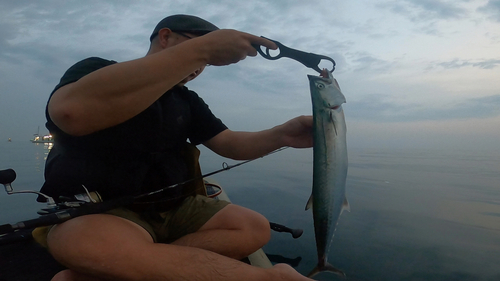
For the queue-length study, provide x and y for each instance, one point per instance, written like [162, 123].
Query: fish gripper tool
[310, 60]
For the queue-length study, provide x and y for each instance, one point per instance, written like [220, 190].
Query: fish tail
[326, 267]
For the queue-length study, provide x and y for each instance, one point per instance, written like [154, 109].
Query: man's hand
[297, 132]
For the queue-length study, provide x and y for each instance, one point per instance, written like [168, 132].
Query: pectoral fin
[309, 203]
[333, 122]
[345, 205]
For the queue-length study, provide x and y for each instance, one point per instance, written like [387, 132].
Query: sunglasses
[183, 34]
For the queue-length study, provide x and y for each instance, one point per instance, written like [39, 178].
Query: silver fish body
[328, 198]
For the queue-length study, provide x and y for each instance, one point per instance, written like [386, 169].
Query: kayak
[22, 259]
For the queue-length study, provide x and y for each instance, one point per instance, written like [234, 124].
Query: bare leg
[112, 248]
[234, 232]
[70, 275]
[285, 271]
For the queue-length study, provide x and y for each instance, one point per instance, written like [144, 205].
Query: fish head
[325, 91]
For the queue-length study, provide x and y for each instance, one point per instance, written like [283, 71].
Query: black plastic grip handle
[296, 233]
[7, 176]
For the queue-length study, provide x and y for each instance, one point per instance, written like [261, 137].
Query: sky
[415, 73]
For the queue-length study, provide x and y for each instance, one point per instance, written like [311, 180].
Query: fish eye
[320, 86]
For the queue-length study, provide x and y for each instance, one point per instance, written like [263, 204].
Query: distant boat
[9, 140]
[42, 139]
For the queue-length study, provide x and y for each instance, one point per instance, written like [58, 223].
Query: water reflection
[293, 262]
[41, 153]
[47, 146]
[414, 215]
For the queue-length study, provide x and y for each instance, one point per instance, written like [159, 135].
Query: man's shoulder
[84, 67]
[186, 94]
[92, 62]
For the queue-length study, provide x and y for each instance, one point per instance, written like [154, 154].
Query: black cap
[184, 23]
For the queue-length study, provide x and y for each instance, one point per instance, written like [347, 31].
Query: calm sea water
[415, 215]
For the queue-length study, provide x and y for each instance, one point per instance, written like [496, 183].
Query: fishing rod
[61, 212]
[225, 167]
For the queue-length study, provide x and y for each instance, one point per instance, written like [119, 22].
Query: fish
[328, 198]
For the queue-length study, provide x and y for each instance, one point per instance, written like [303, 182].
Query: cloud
[458, 63]
[376, 50]
[363, 61]
[382, 109]
[425, 10]
[491, 8]
[426, 15]
[68, 27]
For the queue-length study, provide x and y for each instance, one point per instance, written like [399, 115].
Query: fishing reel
[8, 176]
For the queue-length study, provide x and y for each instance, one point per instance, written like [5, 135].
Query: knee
[251, 227]
[70, 275]
[65, 275]
[88, 243]
[265, 230]
[259, 228]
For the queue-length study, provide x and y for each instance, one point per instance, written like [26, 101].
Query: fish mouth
[335, 107]
[325, 76]
[324, 73]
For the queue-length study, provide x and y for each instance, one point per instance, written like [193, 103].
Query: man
[121, 129]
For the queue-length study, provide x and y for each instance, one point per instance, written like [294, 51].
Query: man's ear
[164, 37]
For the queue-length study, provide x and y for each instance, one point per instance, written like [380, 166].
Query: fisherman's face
[177, 38]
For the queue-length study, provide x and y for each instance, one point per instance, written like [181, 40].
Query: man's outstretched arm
[236, 145]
